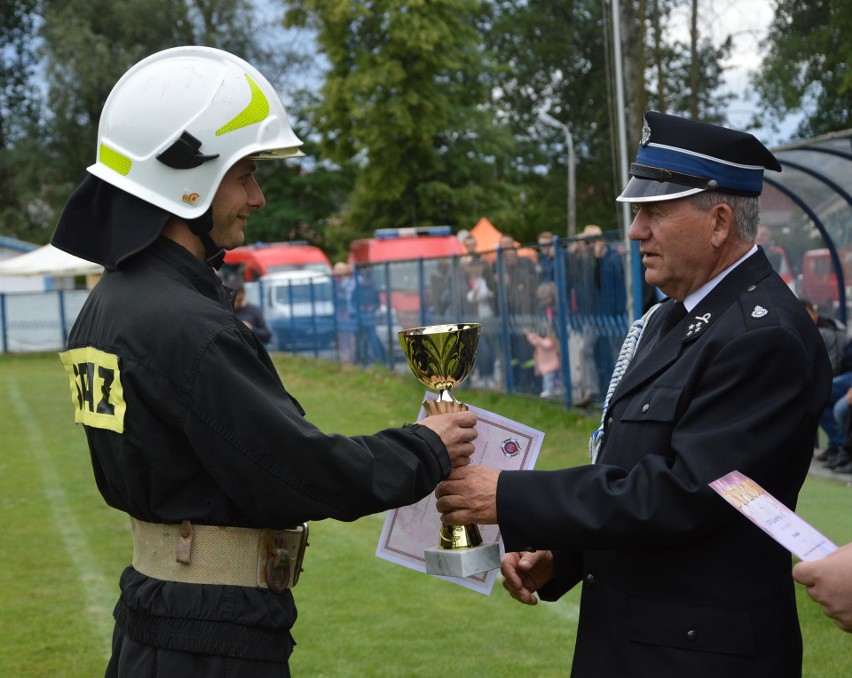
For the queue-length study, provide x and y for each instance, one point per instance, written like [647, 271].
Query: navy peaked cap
[679, 157]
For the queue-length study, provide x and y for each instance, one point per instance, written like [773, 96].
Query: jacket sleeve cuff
[569, 571]
[435, 444]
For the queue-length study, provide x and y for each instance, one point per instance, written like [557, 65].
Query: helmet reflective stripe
[256, 111]
[177, 121]
[114, 160]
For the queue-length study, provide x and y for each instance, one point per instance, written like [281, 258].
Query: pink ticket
[773, 517]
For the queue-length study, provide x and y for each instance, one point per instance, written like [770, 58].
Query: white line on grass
[98, 590]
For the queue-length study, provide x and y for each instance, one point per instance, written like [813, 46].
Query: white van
[299, 309]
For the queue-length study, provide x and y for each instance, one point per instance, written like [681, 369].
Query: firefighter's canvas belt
[209, 554]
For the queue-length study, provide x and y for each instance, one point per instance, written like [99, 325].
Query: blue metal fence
[574, 300]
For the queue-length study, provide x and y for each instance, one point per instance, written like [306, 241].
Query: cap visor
[647, 190]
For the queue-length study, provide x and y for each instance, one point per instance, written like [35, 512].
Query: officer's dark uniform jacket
[210, 435]
[675, 581]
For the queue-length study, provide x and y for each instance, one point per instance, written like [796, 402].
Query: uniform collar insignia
[759, 312]
[697, 325]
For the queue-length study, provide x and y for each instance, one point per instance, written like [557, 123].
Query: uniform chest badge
[698, 325]
[759, 312]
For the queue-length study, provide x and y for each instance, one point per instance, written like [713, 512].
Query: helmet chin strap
[201, 226]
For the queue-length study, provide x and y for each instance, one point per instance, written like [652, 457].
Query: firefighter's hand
[458, 433]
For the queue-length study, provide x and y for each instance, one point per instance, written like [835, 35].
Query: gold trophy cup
[442, 356]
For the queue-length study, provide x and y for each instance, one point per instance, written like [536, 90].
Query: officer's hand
[458, 433]
[525, 573]
[468, 495]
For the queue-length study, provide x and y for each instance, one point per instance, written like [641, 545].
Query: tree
[558, 57]
[19, 114]
[91, 43]
[807, 65]
[554, 57]
[685, 74]
[404, 98]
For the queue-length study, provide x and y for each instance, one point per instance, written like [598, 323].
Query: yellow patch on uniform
[96, 389]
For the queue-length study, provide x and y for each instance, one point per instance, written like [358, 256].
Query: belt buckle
[283, 551]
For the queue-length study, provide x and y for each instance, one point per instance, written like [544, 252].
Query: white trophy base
[462, 562]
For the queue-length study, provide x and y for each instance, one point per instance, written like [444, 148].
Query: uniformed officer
[729, 374]
[190, 429]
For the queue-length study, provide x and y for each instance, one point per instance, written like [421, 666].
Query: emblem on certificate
[441, 357]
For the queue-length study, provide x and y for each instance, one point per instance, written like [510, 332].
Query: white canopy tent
[48, 261]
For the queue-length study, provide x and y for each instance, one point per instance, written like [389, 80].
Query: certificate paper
[771, 516]
[408, 531]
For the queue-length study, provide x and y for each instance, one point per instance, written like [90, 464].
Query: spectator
[839, 351]
[833, 334]
[369, 305]
[546, 257]
[600, 294]
[344, 287]
[517, 284]
[251, 315]
[775, 253]
[479, 306]
[545, 341]
[546, 360]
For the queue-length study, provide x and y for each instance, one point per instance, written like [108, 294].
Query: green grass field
[62, 549]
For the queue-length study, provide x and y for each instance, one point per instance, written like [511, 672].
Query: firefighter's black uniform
[187, 419]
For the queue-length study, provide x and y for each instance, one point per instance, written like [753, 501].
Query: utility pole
[550, 121]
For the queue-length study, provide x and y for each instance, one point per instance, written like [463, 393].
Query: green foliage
[299, 202]
[807, 67]
[20, 102]
[404, 98]
[553, 57]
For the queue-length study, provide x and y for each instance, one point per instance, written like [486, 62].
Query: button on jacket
[675, 581]
[211, 435]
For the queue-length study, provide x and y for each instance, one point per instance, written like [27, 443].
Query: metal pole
[631, 250]
[572, 187]
[550, 121]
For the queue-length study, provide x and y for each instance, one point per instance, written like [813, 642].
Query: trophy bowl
[441, 357]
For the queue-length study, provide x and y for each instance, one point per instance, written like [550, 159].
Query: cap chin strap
[201, 226]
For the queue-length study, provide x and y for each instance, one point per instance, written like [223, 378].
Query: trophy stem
[443, 406]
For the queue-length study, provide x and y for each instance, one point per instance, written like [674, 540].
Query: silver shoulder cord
[625, 355]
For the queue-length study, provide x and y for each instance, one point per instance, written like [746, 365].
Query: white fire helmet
[178, 120]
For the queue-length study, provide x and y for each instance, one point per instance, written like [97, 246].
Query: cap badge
[646, 134]
[697, 327]
[759, 312]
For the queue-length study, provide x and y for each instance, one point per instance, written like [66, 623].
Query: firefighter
[190, 429]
